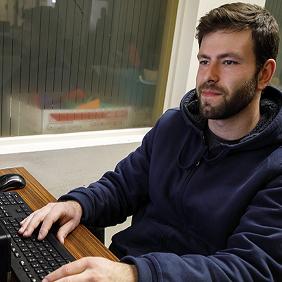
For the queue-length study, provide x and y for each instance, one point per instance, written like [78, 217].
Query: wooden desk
[81, 242]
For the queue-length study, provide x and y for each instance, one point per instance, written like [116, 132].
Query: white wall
[61, 170]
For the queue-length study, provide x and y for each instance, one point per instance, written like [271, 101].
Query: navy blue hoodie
[199, 213]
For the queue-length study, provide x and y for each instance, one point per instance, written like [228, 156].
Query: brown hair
[241, 16]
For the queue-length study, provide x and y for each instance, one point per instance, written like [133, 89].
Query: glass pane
[275, 7]
[77, 65]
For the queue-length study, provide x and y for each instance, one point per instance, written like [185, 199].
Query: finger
[67, 270]
[71, 278]
[54, 214]
[33, 220]
[27, 219]
[25, 222]
[30, 224]
[65, 229]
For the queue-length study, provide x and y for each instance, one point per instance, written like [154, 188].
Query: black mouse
[11, 181]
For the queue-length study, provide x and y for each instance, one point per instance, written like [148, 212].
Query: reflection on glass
[71, 65]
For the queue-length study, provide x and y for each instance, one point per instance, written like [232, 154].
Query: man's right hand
[67, 214]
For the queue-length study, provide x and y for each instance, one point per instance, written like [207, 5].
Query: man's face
[226, 80]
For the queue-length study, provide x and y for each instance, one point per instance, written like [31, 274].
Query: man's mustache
[207, 86]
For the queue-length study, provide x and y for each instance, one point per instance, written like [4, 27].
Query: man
[205, 186]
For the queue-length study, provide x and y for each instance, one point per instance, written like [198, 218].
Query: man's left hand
[95, 269]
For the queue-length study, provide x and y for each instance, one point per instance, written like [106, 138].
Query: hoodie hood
[267, 132]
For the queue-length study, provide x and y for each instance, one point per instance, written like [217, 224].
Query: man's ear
[266, 74]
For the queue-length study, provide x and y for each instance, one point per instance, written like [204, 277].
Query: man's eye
[203, 62]
[230, 62]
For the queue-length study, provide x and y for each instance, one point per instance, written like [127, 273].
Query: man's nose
[212, 72]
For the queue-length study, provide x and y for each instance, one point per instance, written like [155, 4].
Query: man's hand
[94, 269]
[67, 214]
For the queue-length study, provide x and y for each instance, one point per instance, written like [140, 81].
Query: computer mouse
[11, 181]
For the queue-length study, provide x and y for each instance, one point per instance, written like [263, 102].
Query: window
[275, 7]
[79, 65]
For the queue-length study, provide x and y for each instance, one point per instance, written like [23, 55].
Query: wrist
[76, 205]
[129, 272]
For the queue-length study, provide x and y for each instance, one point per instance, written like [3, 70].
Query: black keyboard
[31, 259]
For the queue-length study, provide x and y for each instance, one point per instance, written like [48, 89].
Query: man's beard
[240, 99]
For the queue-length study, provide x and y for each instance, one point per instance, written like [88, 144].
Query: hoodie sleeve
[253, 252]
[119, 193]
